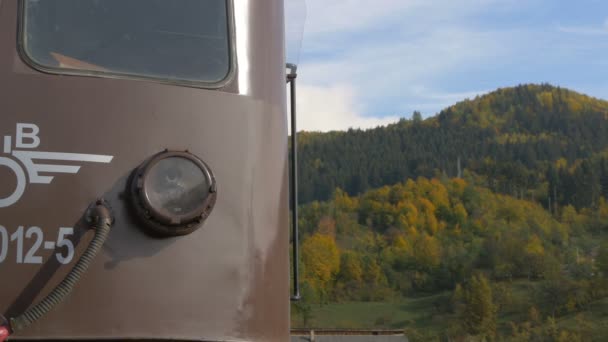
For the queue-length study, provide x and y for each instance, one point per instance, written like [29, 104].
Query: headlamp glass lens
[176, 186]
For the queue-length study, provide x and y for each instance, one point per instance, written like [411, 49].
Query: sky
[365, 63]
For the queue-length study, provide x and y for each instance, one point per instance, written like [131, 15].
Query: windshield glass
[166, 39]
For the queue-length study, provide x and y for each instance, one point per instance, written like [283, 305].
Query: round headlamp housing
[173, 193]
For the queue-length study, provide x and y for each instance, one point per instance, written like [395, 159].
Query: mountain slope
[517, 139]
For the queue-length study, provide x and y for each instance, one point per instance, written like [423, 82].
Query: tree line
[518, 139]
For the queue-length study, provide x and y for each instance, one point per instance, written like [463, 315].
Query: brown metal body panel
[226, 281]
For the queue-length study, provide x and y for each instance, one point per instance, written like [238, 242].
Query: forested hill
[535, 142]
[488, 221]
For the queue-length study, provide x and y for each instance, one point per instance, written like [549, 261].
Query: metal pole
[294, 184]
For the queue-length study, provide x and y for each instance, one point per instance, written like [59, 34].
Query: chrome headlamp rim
[161, 221]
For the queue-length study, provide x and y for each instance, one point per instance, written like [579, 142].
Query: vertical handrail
[291, 79]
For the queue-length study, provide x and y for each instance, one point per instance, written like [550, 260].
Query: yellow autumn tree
[344, 202]
[457, 186]
[546, 100]
[534, 254]
[430, 220]
[427, 252]
[535, 246]
[460, 213]
[411, 214]
[321, 258]
[350, 267]
[438, 193]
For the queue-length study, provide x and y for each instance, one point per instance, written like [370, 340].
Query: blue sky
[366, 63]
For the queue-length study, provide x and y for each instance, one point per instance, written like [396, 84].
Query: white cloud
[434, 100]
[362, 55]
[405, 72]
[449, 98]
[333, 108]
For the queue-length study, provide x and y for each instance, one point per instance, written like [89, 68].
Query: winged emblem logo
[31, 166]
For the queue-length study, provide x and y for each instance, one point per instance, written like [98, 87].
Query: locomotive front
[164, 121]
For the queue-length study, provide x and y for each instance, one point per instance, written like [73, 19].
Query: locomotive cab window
[175, 40]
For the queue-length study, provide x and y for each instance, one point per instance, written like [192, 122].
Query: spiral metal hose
[100, 218]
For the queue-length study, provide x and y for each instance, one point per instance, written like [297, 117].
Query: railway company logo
[39, 172]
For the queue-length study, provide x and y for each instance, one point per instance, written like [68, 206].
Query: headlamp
[173, 193]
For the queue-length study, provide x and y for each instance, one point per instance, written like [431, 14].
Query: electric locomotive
[144, 170]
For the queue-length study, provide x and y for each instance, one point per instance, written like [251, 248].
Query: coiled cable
[100, 217]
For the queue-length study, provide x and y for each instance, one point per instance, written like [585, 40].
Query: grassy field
[424, 315]
[418, 312]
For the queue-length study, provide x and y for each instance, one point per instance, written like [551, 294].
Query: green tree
[602, 259]
[479, 315]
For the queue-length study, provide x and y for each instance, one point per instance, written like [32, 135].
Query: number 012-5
[36, 234]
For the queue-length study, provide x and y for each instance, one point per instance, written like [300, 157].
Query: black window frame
[232, 63]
